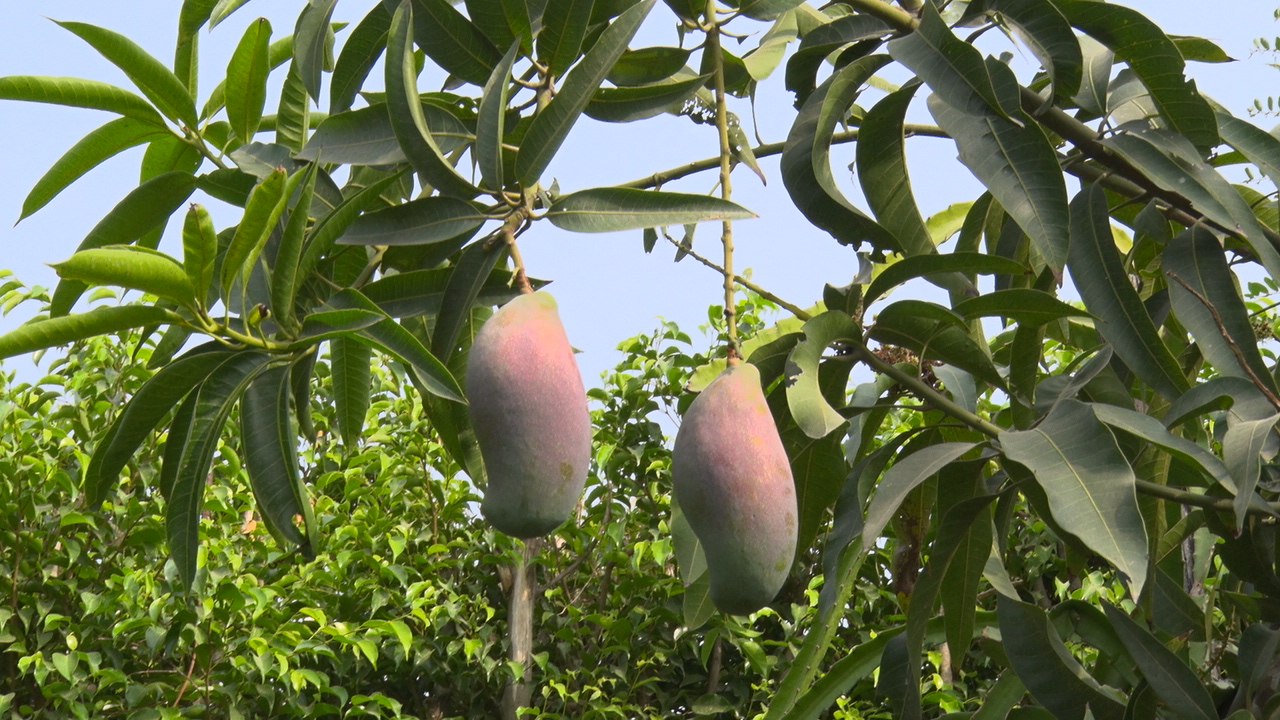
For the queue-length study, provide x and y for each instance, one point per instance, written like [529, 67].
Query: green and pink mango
[733, 481]
[529, 412]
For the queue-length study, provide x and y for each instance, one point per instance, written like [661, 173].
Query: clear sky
[607, 287]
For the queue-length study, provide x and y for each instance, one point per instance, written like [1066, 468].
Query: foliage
[1085, 489]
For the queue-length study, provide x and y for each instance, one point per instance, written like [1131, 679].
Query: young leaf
[450, 39]
[270, 454]
[278, 53]
[42, 334]
[359, 54]
[157, 82]
[551, 126]
[417, 222]
[246, 88]
[1175, 684]
[192, 17]
[75, 92]
[1089, 483]
[407, 118]
[1105, 288]
[266, 203]
[613, 209]
[352, 382]
[101, 144]
[223, 10]
[312, 43]
[491, 123]
[132, 268]
[199, 251]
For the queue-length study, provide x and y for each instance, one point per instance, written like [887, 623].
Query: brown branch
[789, 307]
[187, 682]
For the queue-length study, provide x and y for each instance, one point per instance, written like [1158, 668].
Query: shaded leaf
[491, 127]
[936, 333]
[925, 265]
[285, 277]
[1028, 307]
[451, 40]
[628, 104]
[809, 408]
[1242, 449]
[648, 65]
[349, 364]
[564, 27]
[270, 454]
[293, 116]
[1174, 683]
[1050, 38]
[199, 251]
[359, 54]
[421, 292]
[313, 43]
[327, 231]
[265, 206]
[470, 274]
[417, 222]
[613, 209]
[906, 475]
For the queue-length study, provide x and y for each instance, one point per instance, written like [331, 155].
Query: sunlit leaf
[613, 209]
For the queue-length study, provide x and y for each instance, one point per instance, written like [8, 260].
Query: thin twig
[789, 307]
[187, 682]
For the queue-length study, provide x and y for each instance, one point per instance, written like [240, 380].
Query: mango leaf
[265, 206]
[906, 475]
[192, 17]
[214, 400]
[1096, 78]
[223, 10]
[767, 9]
[958, 483]
[696, 606]
[1047, 668]
[199, 251]
[278, 53]
[285, 277]
[359, 54]
[312, 43]
[421, 292]
[613, 209]
[145, 207]
[1242, 449]
[1018, 165]
[246, 88]
[564, 27]
[1198, 49]
[1155, 58]
[156, 81]
[628, 104]
[491, 17]
[1259, 146]
[75, 92]
[806, 159]
[846, 672]
[42, 334]
[417, 222]
[882, 172]
[925, 265]
[271, 456]
[407, 117]
[1154, 432]
[1177, 685]
[809, 408]
[522, 16]
[175, 442]
[690, 558]
[388, 336]
[552, 124]
[472, 271]
[491, 127]
[936, 333]
[101, 144]
[1205, 300]
[349, 364]
[451, 40]
[1089, 484]
[326, 232]
[1104, 286]
[355, 137]
[1050, 38]
[293, 116]
[1243, 401]
[953, 69]
[649, 65]
[818, 44]
[132, 268]
[1028, 307]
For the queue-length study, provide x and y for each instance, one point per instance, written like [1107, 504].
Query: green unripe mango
[529, 411]
[733, 481]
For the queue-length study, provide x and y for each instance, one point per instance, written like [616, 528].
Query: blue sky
[608, 289]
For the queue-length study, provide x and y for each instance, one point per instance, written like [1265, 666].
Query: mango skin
[529, 411]
[733, 480]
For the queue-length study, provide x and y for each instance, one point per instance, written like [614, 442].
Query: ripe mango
[529, 411]
[733, 481]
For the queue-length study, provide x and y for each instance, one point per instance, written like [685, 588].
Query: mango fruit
[733, 481]
[529, 411]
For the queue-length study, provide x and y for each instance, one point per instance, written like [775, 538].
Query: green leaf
[450, 39]
[1203, 293]
[521, 16]
[327, 231]
[1104, 286]
[1155, 58]
[690, 557]
[818, 44]
[1259, 146]
[313, 43]
[359, 54]
[696, 606]
[389, 337]
[1020, 168]
[551, 126]
[417, 222]
[649, 65]
[1242, 449]
[75, 92]
[882, 172]
[352, 383]
[231, 186]
[1050, 38]
[809, 408]
[101, 144]
[199, 251]
[223, 10]
[144, 411]
[953, 69]
[266, 204]
[355, 137]
[491, 17]
[1177, 685]
[1246, 401]
[628, 104]
[421, 292]
[1045, 665]
[157, 82]
[491, 127]
[214, 400]
[330, 324]
[174, 444]
[564, 26]
[1198, 49]
[246, 86]
[1096, 78]
[285, 277]
[963, 481]
[937, 333]
[407, 118]
[767, 9]
[925, 265]
[613, 209]
[1089, 484]
[278, 53]
[192, 17]
[906, 475]
[293, 114]
[471, 273]
[1153, 431]
[806, 159]
[842, 676]
[41, 334]
[132, 268]
[270, 454]
[1028, 307]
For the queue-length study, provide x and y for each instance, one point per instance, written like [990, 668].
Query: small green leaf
[246, 88]
[223, 10]
[293, 116]
[1177, 685]
[349, 363]
[613, 209]
[285, 277]
[132, 268]
[359, 54]
[199, 251]
[417, 222]
[75, 92]
[313, 43]
[355, 137]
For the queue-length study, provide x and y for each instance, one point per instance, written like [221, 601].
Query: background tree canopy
[1050, 489]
